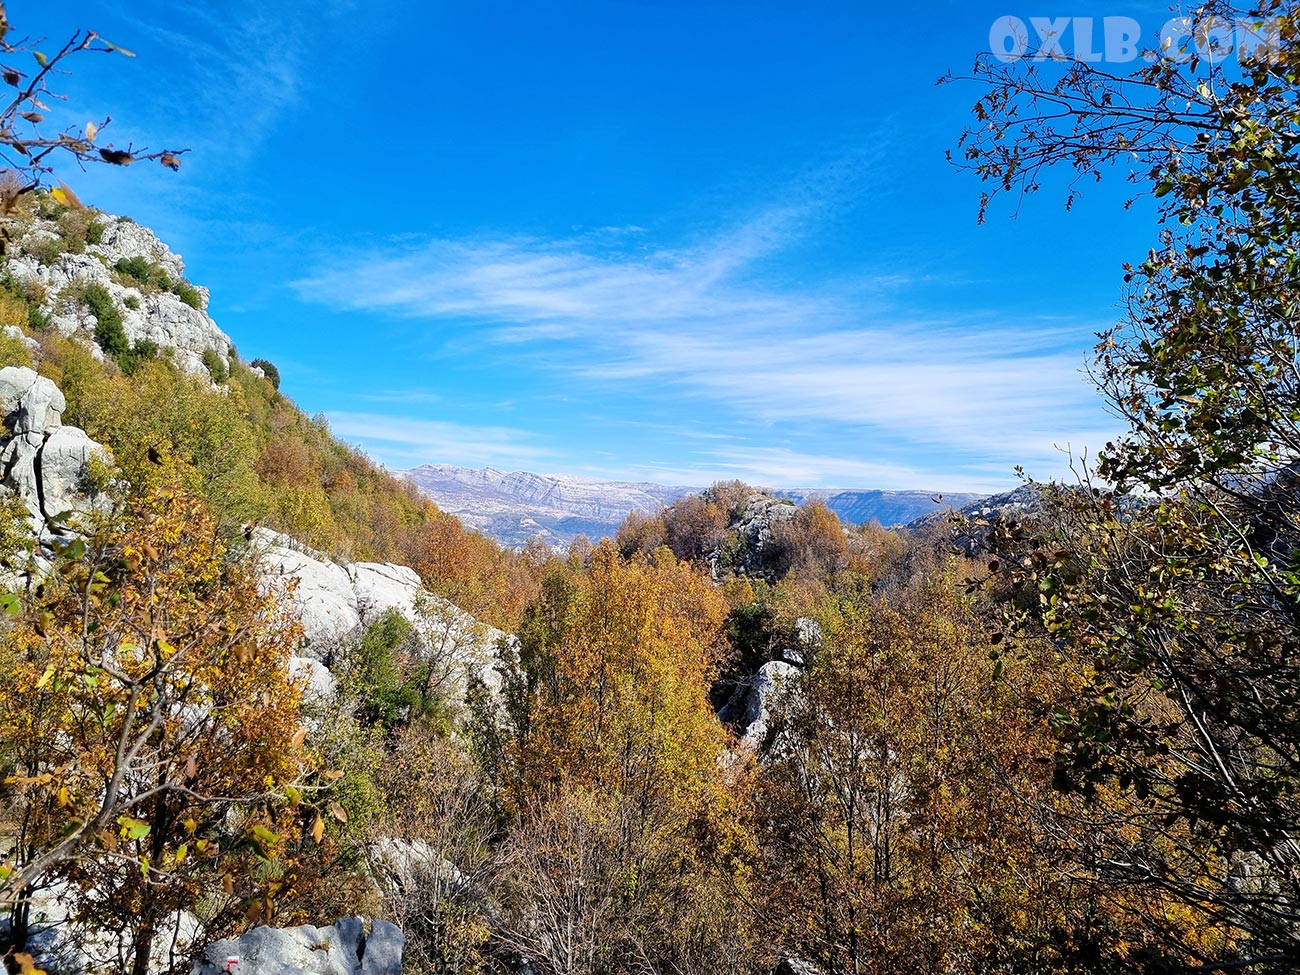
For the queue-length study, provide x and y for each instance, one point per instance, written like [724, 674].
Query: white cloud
[715, 323]
[241, 69]
[404, 442]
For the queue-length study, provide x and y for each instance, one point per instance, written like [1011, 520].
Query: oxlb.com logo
[1119, 40]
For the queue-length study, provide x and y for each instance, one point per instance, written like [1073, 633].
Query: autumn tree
[893, 836]
[641, 533]
[1181, 604]
[154, 743]
[435, 849]
[620, 755]
[695, 526]
[810, 545]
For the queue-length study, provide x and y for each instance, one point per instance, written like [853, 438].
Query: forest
[1060, 738]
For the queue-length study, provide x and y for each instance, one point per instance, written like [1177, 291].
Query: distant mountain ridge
[514, 506]
[887, 507]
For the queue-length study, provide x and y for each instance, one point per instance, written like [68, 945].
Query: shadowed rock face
[41, 460]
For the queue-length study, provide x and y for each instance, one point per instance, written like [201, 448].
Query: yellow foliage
[148, 706]
[624, 677]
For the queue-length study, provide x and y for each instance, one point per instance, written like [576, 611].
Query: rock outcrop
[754, 536]
[42, 461]
[336, 601]
[750, 708]
[350, 946]
[148, 314]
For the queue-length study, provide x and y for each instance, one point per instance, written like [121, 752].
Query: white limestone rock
[381, 586]
[321, 685]
[774, 678]
[16, 332]
[161, 318]
[324, 597]
[336, 602]
[411, 864]
[125, 239]
[343, 948]
[60, 943]
[43, 462]
[29, 403]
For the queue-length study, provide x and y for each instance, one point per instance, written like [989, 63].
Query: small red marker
[231, 962]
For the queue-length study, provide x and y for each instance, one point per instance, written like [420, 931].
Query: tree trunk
[142, 946]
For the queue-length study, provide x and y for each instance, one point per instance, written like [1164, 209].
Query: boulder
[408, 864]
[348, 947]
[63, 462]
[29, 403]
[43, 462]
[384, 947]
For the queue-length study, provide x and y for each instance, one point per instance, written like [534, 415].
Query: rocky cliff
[143, 278]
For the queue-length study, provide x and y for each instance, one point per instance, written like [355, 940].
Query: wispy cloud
[718, 322]
[242, 69]
[403, 442]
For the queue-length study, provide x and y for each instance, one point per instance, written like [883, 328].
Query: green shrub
[14, 351]
[45, 249]
[141, 352]
[272, 373]
[132, 302]
[189, 294]
[148, 275]
[13, 308]
[215, 365]
[136, 267]
[109, 332]
[94, 232]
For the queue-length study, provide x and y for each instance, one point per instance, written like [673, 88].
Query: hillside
[517, 506]
[102, 308]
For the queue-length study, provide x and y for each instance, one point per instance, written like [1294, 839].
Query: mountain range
[514, 506]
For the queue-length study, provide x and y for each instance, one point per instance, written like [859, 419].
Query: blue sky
[673, 241]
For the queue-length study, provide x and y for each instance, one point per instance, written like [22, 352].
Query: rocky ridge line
[158, 316]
